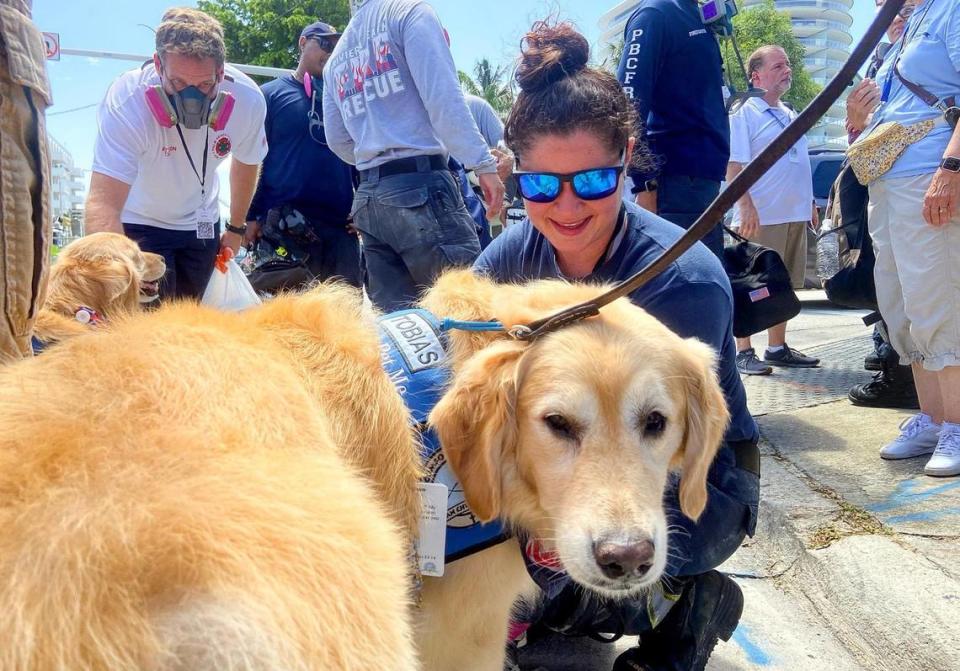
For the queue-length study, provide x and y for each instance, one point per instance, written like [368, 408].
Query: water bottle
[828, 251]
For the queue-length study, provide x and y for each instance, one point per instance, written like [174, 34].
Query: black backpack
[852, 286]
[763, 294]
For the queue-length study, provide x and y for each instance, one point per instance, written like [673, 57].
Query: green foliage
[265, 32]
[493, 84]
[612, 52]
[761, 25]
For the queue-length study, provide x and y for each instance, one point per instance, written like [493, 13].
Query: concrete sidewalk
[856, 560]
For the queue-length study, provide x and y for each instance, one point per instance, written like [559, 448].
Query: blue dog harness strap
[413, 354]
[37, 345]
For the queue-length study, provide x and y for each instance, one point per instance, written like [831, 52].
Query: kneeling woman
[572, 130]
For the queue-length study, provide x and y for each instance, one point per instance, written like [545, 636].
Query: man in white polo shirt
[776, 211]
[162, 131]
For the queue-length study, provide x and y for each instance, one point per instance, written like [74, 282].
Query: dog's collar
[543, 566]
[86, 315]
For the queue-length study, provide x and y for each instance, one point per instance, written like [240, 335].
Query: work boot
[872, 361]
[892, 387]
[708, 610]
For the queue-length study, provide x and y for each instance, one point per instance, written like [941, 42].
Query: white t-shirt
[785, 192]
[132, 147]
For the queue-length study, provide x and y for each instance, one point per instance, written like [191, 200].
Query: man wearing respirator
[163, 129]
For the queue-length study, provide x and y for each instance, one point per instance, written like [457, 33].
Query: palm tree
[489, 83]
[613, 51]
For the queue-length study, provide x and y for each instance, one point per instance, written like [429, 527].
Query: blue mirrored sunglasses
[592, 184]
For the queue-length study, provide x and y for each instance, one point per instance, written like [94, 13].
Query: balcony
[838, 5]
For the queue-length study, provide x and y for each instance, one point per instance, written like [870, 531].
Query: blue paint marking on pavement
[905, 494]
[755, 654]
[923, 517]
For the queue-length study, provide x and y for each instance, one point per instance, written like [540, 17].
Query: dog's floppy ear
[705, 424]
[97, 281]
[476, 424]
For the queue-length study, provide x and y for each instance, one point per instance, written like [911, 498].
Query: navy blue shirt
[692, 296]
[672, 69]
[298, 170]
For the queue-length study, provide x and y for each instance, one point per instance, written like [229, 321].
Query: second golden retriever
[106, 273]
[569, 439]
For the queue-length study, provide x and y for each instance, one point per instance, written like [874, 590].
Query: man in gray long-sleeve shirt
[392, 106]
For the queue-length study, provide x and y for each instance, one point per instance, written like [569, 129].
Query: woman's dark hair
[560, 95]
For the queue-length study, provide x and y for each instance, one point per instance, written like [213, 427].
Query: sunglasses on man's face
[591, 184]
[904, 12]
[325, 43]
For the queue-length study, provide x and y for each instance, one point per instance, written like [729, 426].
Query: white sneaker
[946, 458]
[918, 436]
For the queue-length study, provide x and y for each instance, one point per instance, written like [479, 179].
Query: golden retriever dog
[569, 439]
[105, 272]
[190, 490]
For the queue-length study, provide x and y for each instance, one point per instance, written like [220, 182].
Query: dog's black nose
[617, 560]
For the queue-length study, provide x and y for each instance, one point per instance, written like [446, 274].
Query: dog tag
[204, 230]
[431, 545]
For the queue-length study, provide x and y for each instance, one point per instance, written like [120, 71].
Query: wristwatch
[950, 164]
[648, 185]
[239, 230]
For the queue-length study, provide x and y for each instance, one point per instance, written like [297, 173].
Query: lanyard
[888, 83]
[776, 118]
[206, 147]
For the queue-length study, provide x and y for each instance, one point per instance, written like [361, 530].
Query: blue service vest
[413, 354]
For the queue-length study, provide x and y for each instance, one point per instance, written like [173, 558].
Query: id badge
[431, 543]
[205, 230]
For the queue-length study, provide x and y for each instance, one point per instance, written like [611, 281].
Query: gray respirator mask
[192, 106]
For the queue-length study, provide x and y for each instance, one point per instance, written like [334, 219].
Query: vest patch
[413, 354]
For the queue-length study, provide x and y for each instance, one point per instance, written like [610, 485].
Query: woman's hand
[863, 99]
[942, 197]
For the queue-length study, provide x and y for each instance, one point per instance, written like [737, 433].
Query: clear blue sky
[478, 29]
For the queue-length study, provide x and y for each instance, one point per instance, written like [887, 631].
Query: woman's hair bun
[549, 53]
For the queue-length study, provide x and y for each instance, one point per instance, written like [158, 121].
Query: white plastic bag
[229, 289]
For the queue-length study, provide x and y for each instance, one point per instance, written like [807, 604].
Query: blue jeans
[682, 200]
[189, 259]
[413, 226]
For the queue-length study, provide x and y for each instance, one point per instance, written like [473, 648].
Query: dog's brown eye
[654, 425]
[561, 426]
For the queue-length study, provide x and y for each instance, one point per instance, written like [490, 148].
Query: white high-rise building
[613, 21]
[822, 26]
[66, 181]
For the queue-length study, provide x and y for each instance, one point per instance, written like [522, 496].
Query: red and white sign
[51, 42]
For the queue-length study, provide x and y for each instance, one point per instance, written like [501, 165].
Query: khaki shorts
[790, 242]
[917, 273]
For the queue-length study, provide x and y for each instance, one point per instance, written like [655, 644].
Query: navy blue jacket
[298, 170]
[672, 69]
